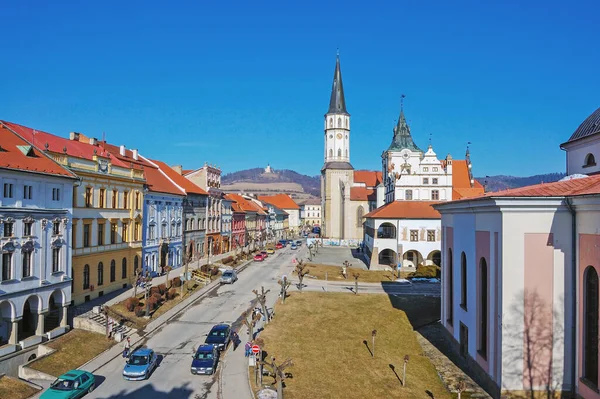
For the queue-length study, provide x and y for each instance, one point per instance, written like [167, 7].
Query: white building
[520, 278]
[310, 212]
[405, 231]
[288, 205]
[35, 238]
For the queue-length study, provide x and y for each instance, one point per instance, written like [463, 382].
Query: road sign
[255, 349]
[293, 260]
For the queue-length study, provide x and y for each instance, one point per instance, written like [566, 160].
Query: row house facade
[285, 203]
[107, 211]
[35, 240]
[195, 213]
[520, 285]
[310, 212]
[162, 240]
[238, 226]
[226, 224]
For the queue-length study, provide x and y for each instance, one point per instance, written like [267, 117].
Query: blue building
[226, 220]
[162, 237]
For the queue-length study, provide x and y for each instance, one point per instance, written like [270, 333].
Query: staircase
[96, 322]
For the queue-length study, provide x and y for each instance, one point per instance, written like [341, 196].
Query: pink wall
[537, 309]
[482, 250]
[449, 235]
[589, 255]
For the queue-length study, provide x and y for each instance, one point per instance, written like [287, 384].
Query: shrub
[171, 293]
[132, 303]
[162, 288]
[214, 271]
[158, 297]
[152, 302]
[431, 271]
[140, 311]
[204, 268]
[154, 290]
[227, 260]
[176, 282]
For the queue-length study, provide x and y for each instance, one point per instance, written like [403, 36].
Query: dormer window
[589, 161]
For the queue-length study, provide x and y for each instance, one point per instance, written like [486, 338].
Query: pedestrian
[235, 339]
[247, 347]
[127, 347]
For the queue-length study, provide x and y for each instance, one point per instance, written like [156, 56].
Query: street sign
[255, 349]
[293, 260]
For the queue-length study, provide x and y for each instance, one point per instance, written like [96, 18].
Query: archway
[412, 258]
[53, 318]
[29, 321]
[388, 257]
[164, 252]
[7, 315]
[386, 230]
[435, 257]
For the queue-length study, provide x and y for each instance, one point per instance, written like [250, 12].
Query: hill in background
[501, 182]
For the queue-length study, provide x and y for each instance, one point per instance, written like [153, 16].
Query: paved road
[176, 340]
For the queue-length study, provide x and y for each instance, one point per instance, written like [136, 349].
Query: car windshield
[63, 385]
[228, 274]
[138, 360]
[204, 355]
[217, 333]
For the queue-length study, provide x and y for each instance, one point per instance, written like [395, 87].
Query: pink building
[520, 277]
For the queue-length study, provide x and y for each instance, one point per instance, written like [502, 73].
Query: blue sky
[241, 84]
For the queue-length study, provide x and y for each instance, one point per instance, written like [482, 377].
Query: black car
[219, 336]
[205, 360]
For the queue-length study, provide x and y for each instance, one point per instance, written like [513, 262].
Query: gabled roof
[244, 204]
[371, 178]
[127, 159]
[282, 201]
[32, 159]
[583, 186]
[405, 210]
[461, 184]
[158, 181]
[362, 194]
[187, 185]
[235, 206]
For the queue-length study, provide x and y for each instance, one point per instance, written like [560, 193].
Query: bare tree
[285, 284]
[301, 270]
[261, 297]
[356, 276]
[373, 334]
[461, 386]
[136, 276]
[345, 267]
[249, 319]
[406, 359]
[167, 270]
[278, 372]
[310, 253]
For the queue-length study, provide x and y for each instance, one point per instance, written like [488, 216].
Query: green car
[72, 384]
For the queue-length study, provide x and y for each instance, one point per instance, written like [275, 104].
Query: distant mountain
[501, 182]
[261, 181]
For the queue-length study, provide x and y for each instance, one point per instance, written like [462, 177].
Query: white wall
[577, 152]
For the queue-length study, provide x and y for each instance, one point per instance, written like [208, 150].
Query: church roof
[402, 137]
[461, 184]
[362, 194]
[337, 103]
[371, 178]
[337, 165]
[589, 127]
[405, 210]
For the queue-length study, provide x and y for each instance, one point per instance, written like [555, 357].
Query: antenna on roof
[402, 101]
[430, 139]
[104, 137]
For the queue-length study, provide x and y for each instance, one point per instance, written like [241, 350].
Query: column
[63, 316]
[39, 328]
[13, 339]
[107, 226]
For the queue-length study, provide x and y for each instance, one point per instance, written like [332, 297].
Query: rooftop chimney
[177, 168]
[93, 141]
[74, 136]
[122, 151]
[135, 154]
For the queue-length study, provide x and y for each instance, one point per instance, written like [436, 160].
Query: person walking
[247, 347]
[126, 347]
[235, 339]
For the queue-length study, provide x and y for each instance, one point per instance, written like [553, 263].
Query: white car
[229, 276]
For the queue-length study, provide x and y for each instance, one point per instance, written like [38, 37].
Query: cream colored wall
[356, 230]
[333, 201]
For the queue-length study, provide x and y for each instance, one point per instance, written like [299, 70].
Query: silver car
[229, 277]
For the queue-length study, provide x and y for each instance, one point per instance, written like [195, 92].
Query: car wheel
[91, 388]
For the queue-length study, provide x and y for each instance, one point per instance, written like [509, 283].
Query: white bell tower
[337, 122]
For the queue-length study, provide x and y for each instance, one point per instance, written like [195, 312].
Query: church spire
[337, 103]
[402, 137]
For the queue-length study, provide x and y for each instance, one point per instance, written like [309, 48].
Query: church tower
[337, 174]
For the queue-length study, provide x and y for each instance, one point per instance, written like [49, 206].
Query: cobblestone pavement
[337, 255]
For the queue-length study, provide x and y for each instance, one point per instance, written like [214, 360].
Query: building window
[408, 195]
[463, 281]
[86, 235]
[100, 274]
[434, 180]
[124, 268]
[163, 232]
[6, 266]
[26, 264]
[430, 235]
[125, 199]
[425, 169]
[8, 190]
[435, 195]
[100, 233]
[124, 232]
[113, 233]
[88, 197]
[414, 235]
[27, 192]
[152, 232]
[137, 200]
[483, 313]
[115, 199]
[450, 309]
[339, 153]
[56, 228]
[27, 228]
[86, 277]
[56, 194]
[590, 326]
[590, 160]
[172, 229]
[55, 260]
[136, 263]
[136, 231]
[113, 271]
[102, 198]
[425, 180]
[435, 169]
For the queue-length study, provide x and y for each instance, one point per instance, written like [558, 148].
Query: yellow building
[107, 212]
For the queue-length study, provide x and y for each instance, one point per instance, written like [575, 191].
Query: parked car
[270, 251]
[72, 384]
[279, 245]
[294, 246]
[219, 336]
[299, 243]
[205, 360]
[283, 242]
[140, 365]
[259, 258]
[229, 276]
[264, 253]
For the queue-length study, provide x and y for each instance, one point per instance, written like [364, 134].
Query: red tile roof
[369, 177]
[12, 157]
[187, 185]
[158, 181]
[244, 204]
[583, 186]
[235, 207]
[405, 210]
[186, 171]
[362, 194]
[281, 201]
[461, 184]
[127, 159]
